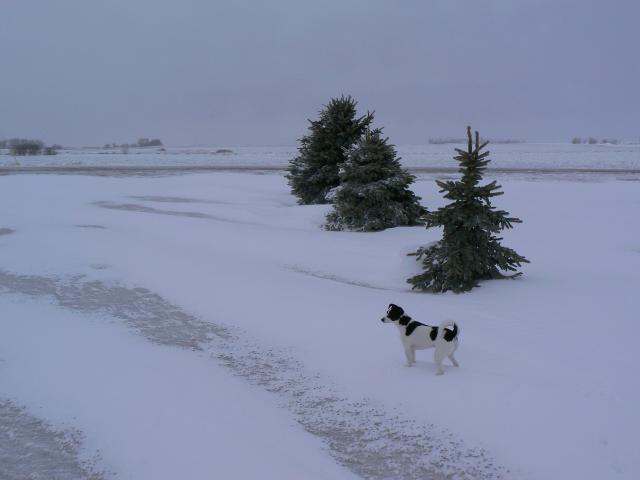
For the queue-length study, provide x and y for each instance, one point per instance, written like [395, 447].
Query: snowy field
[536, 156]
[205, 326]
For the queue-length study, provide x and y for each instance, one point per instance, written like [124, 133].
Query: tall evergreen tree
[374, 189]
[314, 172]
[470, 249]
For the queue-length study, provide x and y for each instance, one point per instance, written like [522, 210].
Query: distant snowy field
[205, 326]
[511, 156]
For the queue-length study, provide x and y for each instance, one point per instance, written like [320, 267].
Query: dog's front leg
[410, 354]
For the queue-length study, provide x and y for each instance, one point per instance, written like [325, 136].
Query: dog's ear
[394, 312]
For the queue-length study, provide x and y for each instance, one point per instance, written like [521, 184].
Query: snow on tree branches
[374, 190]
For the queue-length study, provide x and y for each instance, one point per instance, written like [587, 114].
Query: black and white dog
[417, 336]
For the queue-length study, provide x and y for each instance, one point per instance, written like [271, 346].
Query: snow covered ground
[504, 156]
[204, 326]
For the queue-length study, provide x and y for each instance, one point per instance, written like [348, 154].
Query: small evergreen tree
[374, 189]
[314, 172]
[470, 249]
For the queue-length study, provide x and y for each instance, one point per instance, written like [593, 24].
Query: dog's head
[394, 312]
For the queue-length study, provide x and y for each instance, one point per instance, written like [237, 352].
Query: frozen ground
[204, 326]
[536, 156]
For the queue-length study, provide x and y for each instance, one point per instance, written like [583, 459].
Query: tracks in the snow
[32, 449]
[370, 440]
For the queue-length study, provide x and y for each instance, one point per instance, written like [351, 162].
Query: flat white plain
[548, 381]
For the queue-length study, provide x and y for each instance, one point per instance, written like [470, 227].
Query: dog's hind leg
[438, 356]
[453, 360]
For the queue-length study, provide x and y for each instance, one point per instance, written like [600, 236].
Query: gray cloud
[251, 72]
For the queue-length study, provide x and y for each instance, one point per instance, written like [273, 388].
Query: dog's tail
[448, 331]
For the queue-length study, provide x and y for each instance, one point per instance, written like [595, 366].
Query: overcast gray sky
[233, 72]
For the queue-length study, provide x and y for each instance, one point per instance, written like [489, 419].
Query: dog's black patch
[412, 326]
[433, 334]
[404, 320]
[449, 335]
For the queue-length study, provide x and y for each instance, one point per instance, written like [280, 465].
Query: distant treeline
[142, 142]
[25, 146]
[445, 141]
[594, 141]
